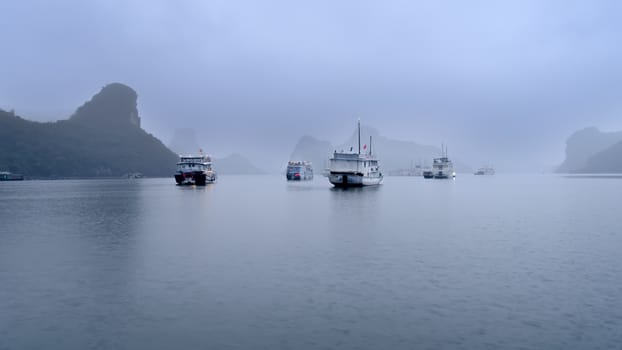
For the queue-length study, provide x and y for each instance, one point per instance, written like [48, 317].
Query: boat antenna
[370, 145]
[359, 125]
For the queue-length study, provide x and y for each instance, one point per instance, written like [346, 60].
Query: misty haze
[324, 175]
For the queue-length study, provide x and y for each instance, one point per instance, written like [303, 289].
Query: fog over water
[504, 83]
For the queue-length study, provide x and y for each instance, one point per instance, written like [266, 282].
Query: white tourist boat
[195, 170]
[354, 169]
[299, 170]
[442, 167]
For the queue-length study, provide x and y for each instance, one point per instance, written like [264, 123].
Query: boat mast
[370, 145]
[359, 124]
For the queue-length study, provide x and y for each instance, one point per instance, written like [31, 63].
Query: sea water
[256, 262]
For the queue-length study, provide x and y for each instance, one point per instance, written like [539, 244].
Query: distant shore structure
[485, 170]
[8, 176]
[414, 170]
[134, 175]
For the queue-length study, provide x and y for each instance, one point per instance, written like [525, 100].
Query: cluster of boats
[346, 169]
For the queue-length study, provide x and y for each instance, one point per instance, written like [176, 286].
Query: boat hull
[194, 178]
[353, 180]
[299, 177]
[444, 176]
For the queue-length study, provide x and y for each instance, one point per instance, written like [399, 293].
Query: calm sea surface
[254, 262]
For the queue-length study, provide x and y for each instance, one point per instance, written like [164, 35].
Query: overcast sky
[502, 82]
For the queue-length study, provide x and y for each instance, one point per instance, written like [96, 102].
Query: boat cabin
[353, 163]
[189, 164]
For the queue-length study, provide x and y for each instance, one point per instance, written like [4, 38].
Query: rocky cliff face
[102, 138]
[585, 144]
[114, 104]
[608, 161]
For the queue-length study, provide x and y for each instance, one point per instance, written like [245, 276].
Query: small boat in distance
[8, 176]
[195, 170]
[299, 170]
[428, 174]
[134, 175]
[443, 168]
[486, 170]
[354, 169]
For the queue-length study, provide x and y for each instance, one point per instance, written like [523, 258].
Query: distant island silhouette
[185, 142]
[103, 138]
[592, 151]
